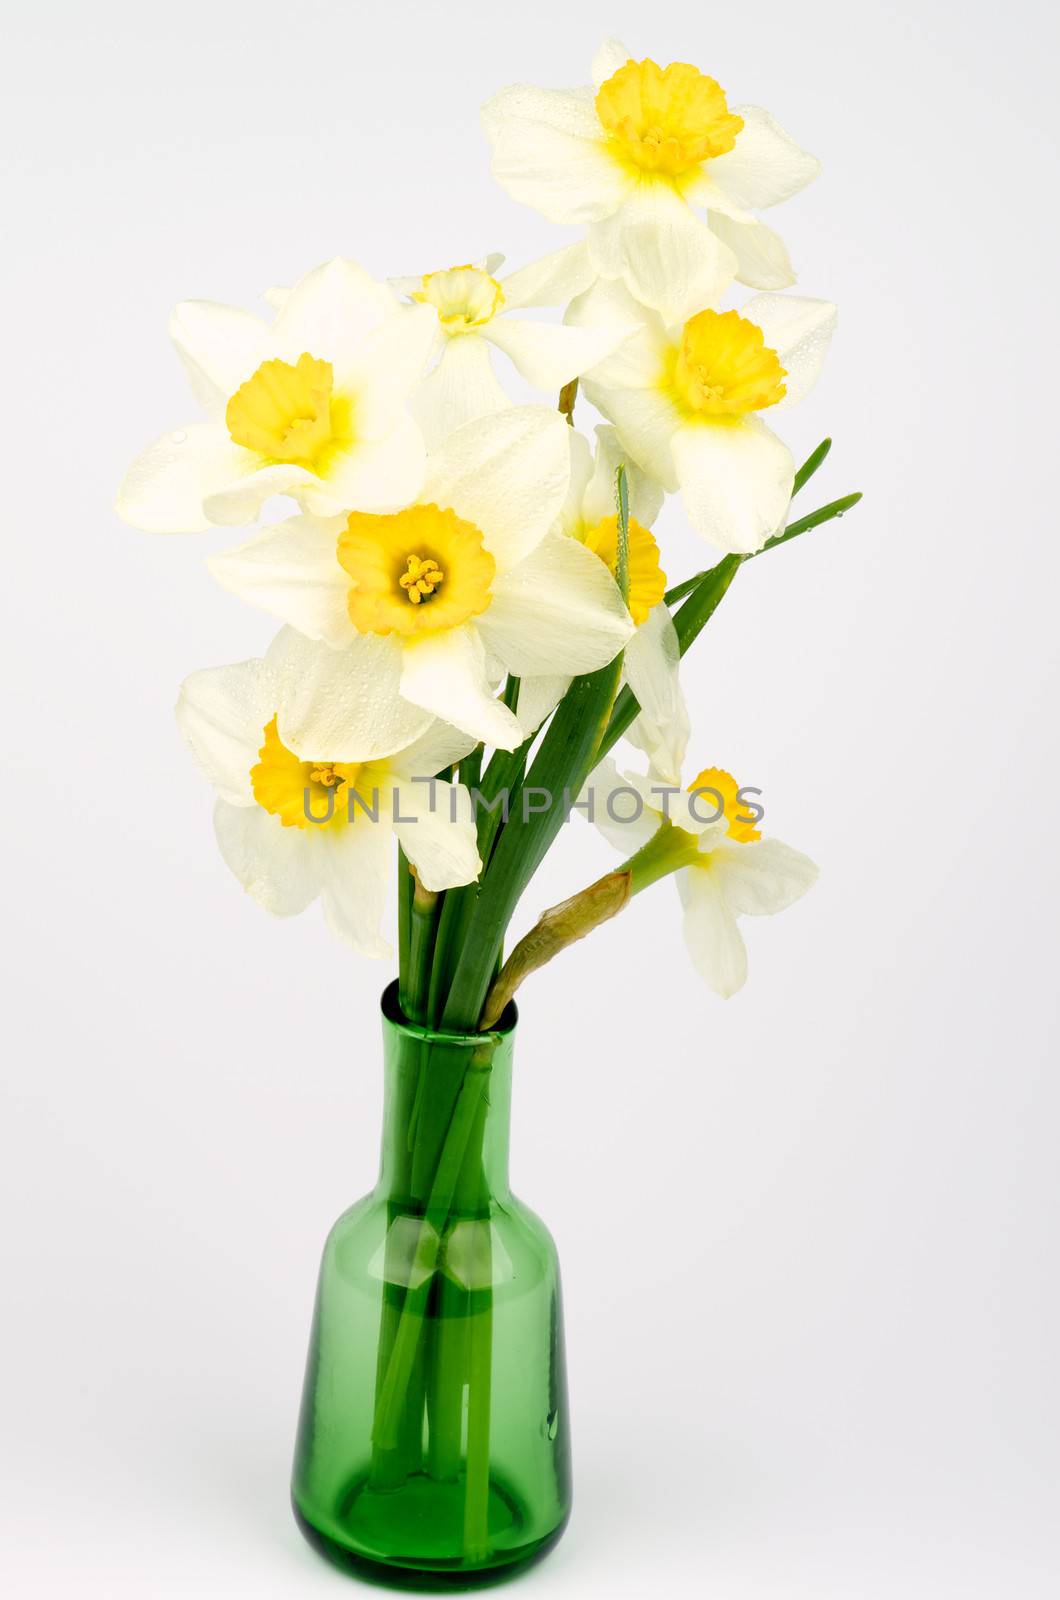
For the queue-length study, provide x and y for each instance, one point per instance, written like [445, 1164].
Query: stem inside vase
[436, 1329]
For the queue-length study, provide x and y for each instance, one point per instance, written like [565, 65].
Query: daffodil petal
[552, 281]
[623, 808]
[440, 838]
[559, 611]
[651, 666]
[329, 313]
[445, 673]
[636, 362]
[240, 500]
[714, 941]
[549, 153]
[222, 713]
[460, 388]
[171, 485]
[611, 55]
[763, 877]
[370, 475]
[507, 474]
[762, 259]
[440, 746]
[645, 495]
[538, 698]
[736, 480]
[547, 355]
[387, 366]
[646, 423]
[800, 331]
[342, 705]
[571, 516]
[699, 189]
[280, 868]
[220, 346]
[666, 256]
[356, 865]
[765, 164]
[291, 570]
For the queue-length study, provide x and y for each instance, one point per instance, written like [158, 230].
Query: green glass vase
[433, 1445]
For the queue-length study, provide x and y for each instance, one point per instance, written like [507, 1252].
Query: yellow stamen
[724, 784]
[647, 580]
[290, 413]
[724, 368]
[421, 579]
[420, 570]
[665, 120]
[325, 773]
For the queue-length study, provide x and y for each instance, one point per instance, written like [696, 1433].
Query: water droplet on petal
[179, 437]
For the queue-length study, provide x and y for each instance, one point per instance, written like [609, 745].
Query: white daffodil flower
[426, 607]
[470, 304]
[312, 406]
[294, 830]
[687, 402]
[651, 661]
[706, 837]
[632, 155]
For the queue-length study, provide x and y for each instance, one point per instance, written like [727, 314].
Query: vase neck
[446, 1116]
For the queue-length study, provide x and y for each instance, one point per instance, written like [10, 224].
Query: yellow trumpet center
[290, 413]
[722, 783]
[665, 120]
[420, 570]
[647, 580]
[724, 368]
[464, 297]
[287, 787]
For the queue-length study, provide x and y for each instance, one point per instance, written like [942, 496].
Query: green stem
[503, 774]
[390, 1468]
[391, 1394]
[668, 849]
[422, 930]
[404, 892]
[456, 910]
[457, 903]
[476, 1503]
[448, 1371]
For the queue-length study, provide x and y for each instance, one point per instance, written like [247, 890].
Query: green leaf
[562, 763]
[828, 513]
[814, 460]
[622, 561]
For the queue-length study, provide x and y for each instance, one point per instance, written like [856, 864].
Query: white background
[808, 1235]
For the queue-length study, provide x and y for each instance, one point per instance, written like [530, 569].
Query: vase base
[423, 1519]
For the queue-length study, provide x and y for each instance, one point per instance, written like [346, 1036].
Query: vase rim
[392, 1012]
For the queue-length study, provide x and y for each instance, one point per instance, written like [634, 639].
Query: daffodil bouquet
[475, 611]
